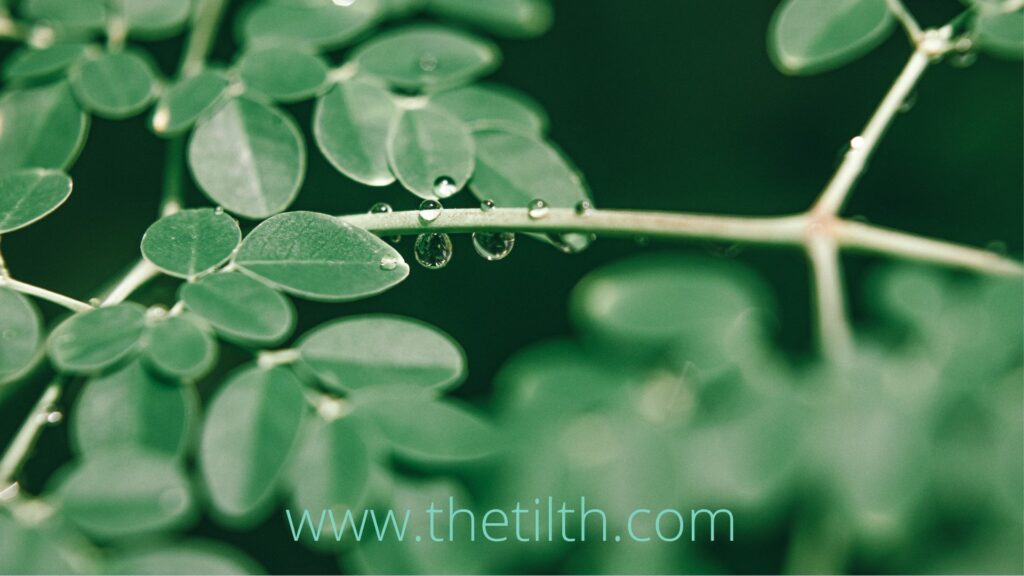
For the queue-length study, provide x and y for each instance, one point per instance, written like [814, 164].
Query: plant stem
[44, 294]
[207, 19]
[23, 442]
[834, 332]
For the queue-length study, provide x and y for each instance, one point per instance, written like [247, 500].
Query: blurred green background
[664, 105]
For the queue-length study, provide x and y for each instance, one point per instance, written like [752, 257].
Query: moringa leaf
[190, 557]
[514, 18]
[426, 57]
[241, 309]
[377, 350]
[248, 158]
[43, 128]
[323, 24]
[131, 408]
[251, 429]
[155, 19]
[332, 468]
[282, 73]
[432, 430]
[27, 196]
[483, 106]
[808, 36]
[124, 493]
[92, 340]
[191, 242]
[319, 257]
[1000, 33]
[351, 126]
[114, 85]
[31, 63]
[186, 101]
[21, 335]
[178, 347]
[431, 153]
[75, 16]
[30, 546]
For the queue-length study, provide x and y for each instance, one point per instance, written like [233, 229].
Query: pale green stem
[834, 334]
[44, 294]
[27, 435]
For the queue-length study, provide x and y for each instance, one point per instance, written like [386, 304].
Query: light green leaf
[1000, 33]
[43, 128]
[431, 153]
[282, 73]
[191, 242]
[483, 106]
[515, 18]
[155, 19]
[30, 548]
[132, 409]
[21, 335]
[432, 431]
[92, 340]
[809, 36]
[186, 101]
[115, 85]
[351, 126]
[323, 25]
[426, 57]
[319, 257]
[382, 351]
[332, 468]
[197, 557]
[241, 309]
[251, 429]
[70, 15]
[179, 347]
[27, 196]
[513, 169]
[125, 493]
[30, 63]
[248, 158]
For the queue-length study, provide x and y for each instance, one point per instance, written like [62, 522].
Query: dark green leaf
[92, 340]
[31, 548]
[21, 335]
[197, 557]
[1000, 33]
[432, 431]
[514, 169]
[154, 19]
[241, 309]
[70, 15]
[43, 128]
[322, 25]
[332, 468]
[282, 73]
[186, 101]
[191, 242]
[33, 63]
[808, 36]
[179, 347]
[29, 195]
[115, 85]
[351, 127]
[431, 153]
[490, 106]
[515, 18]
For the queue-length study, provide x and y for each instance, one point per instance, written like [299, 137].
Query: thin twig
[16, 454]
[138, 275]
[207, 19]
[835, 337]
[44, 294]
[906, 19]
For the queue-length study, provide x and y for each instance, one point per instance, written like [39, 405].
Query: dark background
[664, 105]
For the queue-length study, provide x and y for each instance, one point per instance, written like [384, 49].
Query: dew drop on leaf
[428, 62]
[430, 210]
[433, 250]
[487, 205]
[445, 187]
[537, 209]
[494, 246]
[388, 263]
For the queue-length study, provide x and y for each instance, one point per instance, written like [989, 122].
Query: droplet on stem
[380, 208]
[433, 250]
[571, 243]
[584, 208]
[487, 205]
[445, 187]
[494, 246]
[430, 210]
[537, 209]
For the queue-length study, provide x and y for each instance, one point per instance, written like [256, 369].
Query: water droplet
[494, 246]
[572, 243]
[95, 302]
[388, 263]
[380, 208]
[857, 143]
[964, 60]
[445, 187]
[487, 205]
[219, 210]
[584, 208]
[54, 417]
[430, 210]
[433, 250]
[428, 62]
[908, 103]
[537, 209]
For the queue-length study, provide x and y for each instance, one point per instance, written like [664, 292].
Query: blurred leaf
[323, 24]
[484, 106]
[513, 169]
[186, 101]
[114, 85]
[351, 126]
[197, 557]
[514, 18]
[43, 128]
[241, 309]
[27, 548]
[90, 341]
[248, 158]
[191, 242]
[31, 63]
[319, 257]
[382, 351]
[30, 195]
[331, 469]
[125, 493]
[808, 36]
[71, 15]
[432, 430]
[1001, 33]
[132, 409]
[154, 19]
[401, 8]
[21, 335]
[177, 347]
[431, 153]
[251, 429]
[426, 57]
[282, 73]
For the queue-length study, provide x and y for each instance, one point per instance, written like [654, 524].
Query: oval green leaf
[431, 153]
[512, 169]
[514, 18]
[241, 309]
[282, 73]
[197, 557]
[21, 335]
[251, 428]
[248, 158]
[332, 468]
[115, 85]
[30, 63]
[351, 126]
[187, 101]
[1000, 33]
[180, 348]
[132, 409]
[490, 106]
[74, 16]
[32, 548]
[155, 19]
[29, 195]
[191, 242]
[92, 340]
[380, 351]
[433, 431]
[320, 257]
[426, 57]
[809, 36]
[320, 25]
[43, 128]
